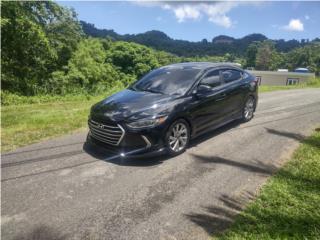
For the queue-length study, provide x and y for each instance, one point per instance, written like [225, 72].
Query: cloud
[215, 12]
[294, 25]
[184, 11]
[307, 17]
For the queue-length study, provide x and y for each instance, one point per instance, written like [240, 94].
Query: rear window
[231, 75]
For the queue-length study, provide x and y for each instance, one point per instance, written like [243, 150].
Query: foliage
[64, 35]
[264, 55]
[26, 50]
[98, 64]
[278, 60]
[288, 205]
[8, 98]
[44, 51]
[251, 54]
[132, 59]
[308, 56]
[86, 71]
[34, 43]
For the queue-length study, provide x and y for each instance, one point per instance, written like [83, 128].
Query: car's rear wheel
[177, 137]
[248, 109]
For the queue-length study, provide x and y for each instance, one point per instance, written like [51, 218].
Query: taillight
[254, 83]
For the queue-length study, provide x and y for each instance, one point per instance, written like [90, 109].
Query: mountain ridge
[219, 45]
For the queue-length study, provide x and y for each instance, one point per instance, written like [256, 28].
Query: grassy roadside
[312, 84]
[288, 205]
[27, 120]
[29, 123]
[278, 88]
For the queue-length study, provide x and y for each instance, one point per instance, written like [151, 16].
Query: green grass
[25, 124]
[26, 120]
[288, 206]
[32, 119]
[8, 99]
[311, 84]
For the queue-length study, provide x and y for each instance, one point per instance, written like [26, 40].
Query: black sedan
[167, 107]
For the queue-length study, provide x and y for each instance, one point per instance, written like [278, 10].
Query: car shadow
[41, 232]
[145, 161]
[255, 166]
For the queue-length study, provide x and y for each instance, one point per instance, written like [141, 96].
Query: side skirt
[213, 127]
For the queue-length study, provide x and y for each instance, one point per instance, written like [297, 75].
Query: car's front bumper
[112, 152]
[125, 141]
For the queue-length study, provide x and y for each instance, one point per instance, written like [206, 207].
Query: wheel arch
[187, 121]
[250, 94]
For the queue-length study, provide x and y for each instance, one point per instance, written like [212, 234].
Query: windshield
[168, 80]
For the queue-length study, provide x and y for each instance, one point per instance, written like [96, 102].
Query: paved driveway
[55, 190]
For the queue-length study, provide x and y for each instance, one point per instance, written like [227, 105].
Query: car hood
[132, 105]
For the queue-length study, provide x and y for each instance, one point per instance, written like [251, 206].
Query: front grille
[108, 133]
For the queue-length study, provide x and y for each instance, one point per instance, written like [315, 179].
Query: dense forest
[46, 50]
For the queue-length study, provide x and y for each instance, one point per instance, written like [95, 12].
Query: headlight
[147, 122]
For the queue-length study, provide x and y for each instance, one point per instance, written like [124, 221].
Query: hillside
[44, 57]
[219, 45]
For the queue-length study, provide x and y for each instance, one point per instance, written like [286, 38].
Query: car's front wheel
[177, 137]
[248, 109]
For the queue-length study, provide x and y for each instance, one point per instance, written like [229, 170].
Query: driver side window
[212, 79]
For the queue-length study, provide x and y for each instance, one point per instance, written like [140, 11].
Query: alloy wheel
[249, 109]
[178, 137]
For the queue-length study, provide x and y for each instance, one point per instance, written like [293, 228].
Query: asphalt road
[55, 190]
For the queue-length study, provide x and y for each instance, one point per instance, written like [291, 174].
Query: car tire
[177, 137]
[248, 109]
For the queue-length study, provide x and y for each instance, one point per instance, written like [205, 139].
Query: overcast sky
[194, 21]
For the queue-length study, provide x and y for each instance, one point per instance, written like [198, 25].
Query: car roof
[203, 65]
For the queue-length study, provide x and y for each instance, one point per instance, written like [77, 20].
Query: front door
[208, 106]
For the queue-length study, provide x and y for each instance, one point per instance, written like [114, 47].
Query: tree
[308, 56]
[204, 41]
[37, 38]
[278, 60]
[86, 70]
[229, 57]
[131, 58]
[64, 33]
[264, 55]
[251, 54]
[26, 50]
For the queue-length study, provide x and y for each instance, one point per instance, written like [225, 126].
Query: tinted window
[212, 79]
[230, 75]
[169, 80]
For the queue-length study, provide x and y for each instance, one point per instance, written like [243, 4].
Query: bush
[97, 65]
[8, 98]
